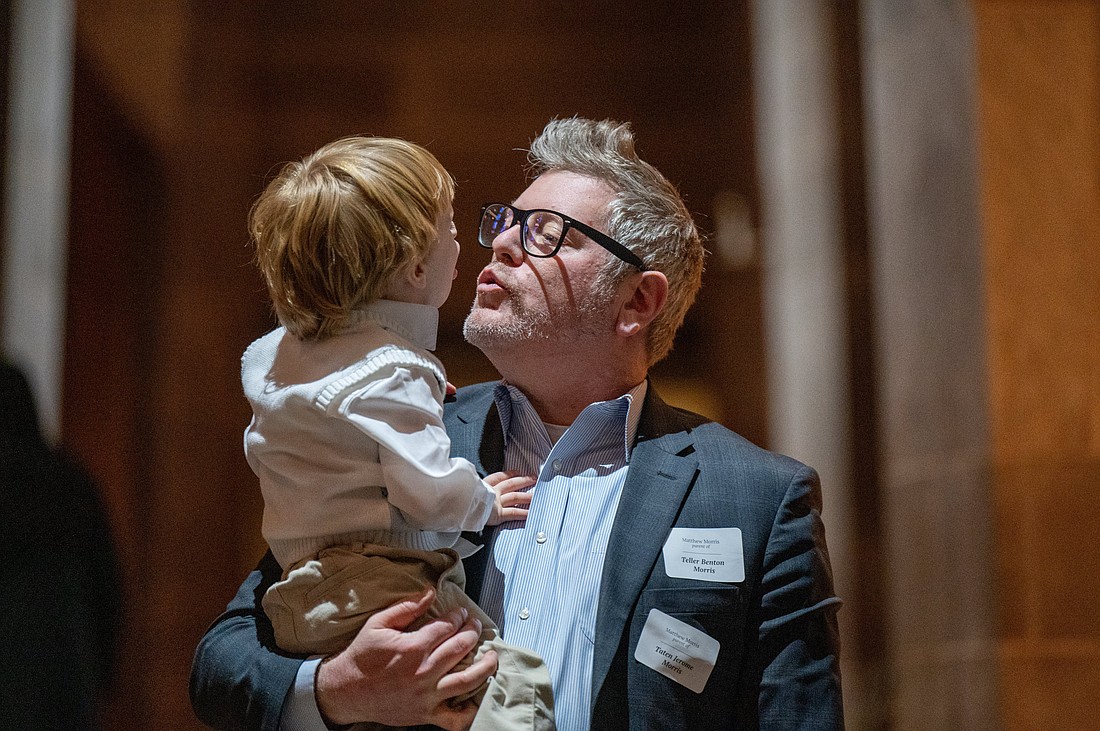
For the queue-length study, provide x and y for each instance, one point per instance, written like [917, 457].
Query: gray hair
[646, 215]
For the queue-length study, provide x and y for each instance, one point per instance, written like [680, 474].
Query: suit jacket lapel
[476, 434]
[662, 468]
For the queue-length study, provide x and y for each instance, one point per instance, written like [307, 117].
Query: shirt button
[540, 537]
[524, 613]
[556, 465]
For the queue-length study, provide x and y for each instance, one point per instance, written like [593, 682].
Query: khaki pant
[323, 601]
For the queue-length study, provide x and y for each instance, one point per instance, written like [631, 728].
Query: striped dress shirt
[542, 584]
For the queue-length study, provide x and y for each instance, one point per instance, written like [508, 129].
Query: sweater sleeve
[401, 409]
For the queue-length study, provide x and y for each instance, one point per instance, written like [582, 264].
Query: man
[670, 574]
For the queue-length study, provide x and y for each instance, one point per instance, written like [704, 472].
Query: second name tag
[706, 554]
[677, 650]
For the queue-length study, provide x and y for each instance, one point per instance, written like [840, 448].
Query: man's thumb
[403, 614]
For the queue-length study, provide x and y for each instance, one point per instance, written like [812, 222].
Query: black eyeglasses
[543, 231]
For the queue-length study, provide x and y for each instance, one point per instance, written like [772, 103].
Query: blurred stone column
[926, 268]
[873, 311]
[36, 198]
[805, 314]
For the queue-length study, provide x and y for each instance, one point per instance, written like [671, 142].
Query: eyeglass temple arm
[610, 244]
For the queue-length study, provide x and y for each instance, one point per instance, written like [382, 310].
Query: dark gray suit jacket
[778, 664]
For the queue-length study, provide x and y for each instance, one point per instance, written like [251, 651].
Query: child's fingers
[515, 499]
[511, 484]
[509, 514]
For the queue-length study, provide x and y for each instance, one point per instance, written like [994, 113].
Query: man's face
[523, 299]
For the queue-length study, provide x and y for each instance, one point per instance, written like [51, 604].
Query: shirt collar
[512, 404]
[416, 323]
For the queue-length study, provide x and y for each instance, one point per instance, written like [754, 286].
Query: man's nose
[507, 247]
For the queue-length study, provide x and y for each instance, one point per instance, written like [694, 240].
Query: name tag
[706, 554]
[677, 650]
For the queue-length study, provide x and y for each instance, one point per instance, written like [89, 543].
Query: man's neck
[561, 392]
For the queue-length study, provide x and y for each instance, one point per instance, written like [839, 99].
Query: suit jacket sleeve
[239, 680]
[794, 664]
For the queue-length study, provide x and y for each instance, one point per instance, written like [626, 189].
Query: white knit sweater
[347, 438]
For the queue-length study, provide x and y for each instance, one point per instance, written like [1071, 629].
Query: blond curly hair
[332, 231]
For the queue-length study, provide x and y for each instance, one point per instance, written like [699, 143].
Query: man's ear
[643, 304]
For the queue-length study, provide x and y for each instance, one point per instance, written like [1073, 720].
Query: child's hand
[511, 504]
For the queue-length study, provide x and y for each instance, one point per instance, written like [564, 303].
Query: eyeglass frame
[519, 215]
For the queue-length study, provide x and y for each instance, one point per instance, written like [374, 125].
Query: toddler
[363, 505]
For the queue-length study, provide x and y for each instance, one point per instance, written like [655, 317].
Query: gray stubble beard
[526, 324]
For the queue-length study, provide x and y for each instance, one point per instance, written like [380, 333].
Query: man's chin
[486, 334]
[492, 329]
[481, 317]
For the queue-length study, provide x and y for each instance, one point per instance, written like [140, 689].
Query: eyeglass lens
[495, 220]
[542, 231]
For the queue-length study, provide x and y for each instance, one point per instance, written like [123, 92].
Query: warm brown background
[1040, 137]
[183, 108]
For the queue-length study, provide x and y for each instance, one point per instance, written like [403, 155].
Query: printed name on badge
[706, 554]
[677, 650]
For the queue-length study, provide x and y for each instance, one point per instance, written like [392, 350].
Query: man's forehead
[579, 196]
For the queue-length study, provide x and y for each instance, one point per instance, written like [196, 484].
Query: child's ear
[417, 276]
[643, 304]
[405, 285]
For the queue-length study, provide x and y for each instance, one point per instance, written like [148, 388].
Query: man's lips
[487, 282]
[491, 291]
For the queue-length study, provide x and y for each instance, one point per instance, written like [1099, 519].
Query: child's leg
[520, 695]
[322, 602]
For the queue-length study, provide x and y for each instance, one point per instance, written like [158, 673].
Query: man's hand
[398, 678]
[511, 504]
